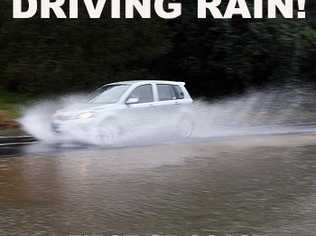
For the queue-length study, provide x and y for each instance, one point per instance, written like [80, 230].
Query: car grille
[63, 117]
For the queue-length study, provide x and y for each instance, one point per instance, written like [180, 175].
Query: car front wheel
[110, 132]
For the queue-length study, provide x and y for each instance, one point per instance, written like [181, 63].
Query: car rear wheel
[185, 127]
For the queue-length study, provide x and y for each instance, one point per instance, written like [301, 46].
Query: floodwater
[259, 185]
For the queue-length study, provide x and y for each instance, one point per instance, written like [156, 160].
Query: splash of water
[258, 112]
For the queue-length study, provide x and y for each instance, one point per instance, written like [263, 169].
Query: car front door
[142, 110]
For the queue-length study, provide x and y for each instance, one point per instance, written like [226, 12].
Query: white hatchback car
[118, 107]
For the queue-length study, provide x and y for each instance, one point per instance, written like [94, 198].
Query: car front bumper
[72, 126]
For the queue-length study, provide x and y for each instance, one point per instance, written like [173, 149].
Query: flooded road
[260, 185]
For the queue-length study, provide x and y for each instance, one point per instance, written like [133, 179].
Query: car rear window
[178, 92]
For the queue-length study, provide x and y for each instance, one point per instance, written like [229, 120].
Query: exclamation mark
[301, 9]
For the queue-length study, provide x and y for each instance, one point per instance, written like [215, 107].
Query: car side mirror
[132, 101]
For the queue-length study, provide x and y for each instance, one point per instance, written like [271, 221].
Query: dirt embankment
[7, 123]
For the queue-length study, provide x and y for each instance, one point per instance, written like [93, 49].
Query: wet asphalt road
[258, 185]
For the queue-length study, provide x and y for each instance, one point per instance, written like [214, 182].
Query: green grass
[11, 103]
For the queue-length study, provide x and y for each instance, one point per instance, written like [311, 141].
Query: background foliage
[214, 57]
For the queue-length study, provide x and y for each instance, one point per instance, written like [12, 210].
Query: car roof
[149, 81]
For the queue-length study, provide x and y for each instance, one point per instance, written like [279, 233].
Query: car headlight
[86, 115]
[62, 117]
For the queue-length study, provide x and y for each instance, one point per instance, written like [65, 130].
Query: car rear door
[169, 101]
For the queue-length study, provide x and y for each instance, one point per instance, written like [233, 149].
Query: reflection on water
[260, 185]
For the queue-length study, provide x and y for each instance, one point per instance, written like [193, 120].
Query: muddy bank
[6, 122]
[9, 126]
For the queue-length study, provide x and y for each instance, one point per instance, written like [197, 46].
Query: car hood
[86, 107]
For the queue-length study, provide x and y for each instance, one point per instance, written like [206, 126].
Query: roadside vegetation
[10, 108]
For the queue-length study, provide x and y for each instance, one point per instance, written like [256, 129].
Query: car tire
[185, 127]
[110, 131]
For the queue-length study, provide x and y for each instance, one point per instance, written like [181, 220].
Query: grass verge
[10, 108]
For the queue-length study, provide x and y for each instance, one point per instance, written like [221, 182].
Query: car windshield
[109, 94]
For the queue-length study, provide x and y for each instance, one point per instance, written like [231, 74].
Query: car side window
[144, 93]
[178, 92]
[169, 92]
[165, 92]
